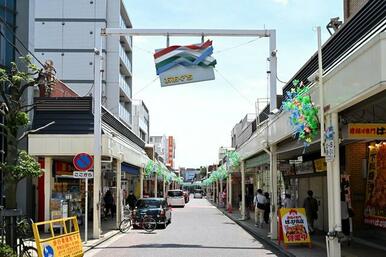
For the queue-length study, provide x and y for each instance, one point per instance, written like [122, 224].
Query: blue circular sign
[83, 161]
[48, 251]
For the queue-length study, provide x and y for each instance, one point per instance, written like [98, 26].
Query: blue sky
[201, 115]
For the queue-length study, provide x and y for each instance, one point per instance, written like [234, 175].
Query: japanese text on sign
[367, 130]
[83, 174]
[66, 244]
[294, 225]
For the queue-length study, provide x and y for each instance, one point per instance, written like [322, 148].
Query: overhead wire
[20, 42]
[232, 86]
[236, 46]
[146, 86]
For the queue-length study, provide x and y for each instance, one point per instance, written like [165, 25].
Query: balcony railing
[124, 86]
[124, 114]
[123, 26]
[125, 59]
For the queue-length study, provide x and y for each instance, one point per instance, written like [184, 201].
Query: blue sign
[83, 161]
[48, 251]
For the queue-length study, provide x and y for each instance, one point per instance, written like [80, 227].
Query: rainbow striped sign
[185, 64]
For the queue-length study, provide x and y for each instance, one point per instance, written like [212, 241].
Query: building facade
[141, 121]
[68, 33]
[354, 94]
[160, 145]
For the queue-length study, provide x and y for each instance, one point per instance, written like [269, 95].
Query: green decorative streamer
[303, 113]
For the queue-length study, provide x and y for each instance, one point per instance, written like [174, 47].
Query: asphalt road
[197, 230]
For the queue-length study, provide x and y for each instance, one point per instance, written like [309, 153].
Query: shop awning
[130, 169]
[257, 161]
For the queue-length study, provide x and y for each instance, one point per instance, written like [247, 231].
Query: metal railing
[124, 114]
[125, 86]
[125, 59]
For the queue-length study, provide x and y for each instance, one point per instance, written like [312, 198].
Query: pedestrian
[288, 203]
[267, 208]
[131, 200]
[259, 202]
[311, 206]
[346, 214]
[109, 203]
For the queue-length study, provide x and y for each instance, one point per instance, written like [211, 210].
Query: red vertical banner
[41, 192]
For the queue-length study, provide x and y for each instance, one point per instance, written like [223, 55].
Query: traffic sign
[83, 161]
[83, 174]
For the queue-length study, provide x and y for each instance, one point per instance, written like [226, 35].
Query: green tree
[13, 84]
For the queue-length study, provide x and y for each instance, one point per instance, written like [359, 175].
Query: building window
[7, 27]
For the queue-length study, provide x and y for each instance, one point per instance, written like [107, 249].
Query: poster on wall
[304, 168]
[375, 206]
[294, 227]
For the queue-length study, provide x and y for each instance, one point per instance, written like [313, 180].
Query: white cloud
[283, 2]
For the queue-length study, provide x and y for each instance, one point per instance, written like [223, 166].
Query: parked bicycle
[24, 247]
[145, 222]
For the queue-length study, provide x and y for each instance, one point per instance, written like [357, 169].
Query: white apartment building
[66, 32]
[141, 120]
[161, 146]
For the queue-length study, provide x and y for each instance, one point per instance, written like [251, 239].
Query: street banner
[375, 206]
[367, 131]
[185, 64]
[294, 227]
[65, 244]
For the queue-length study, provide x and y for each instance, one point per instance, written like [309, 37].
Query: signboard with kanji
[66, 244]
[294, 227]
[367, 131]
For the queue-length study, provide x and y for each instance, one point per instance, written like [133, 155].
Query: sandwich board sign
[293, 226]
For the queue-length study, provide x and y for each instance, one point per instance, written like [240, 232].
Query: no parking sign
[83, 161]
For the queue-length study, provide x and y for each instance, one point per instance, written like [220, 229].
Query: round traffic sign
[83, 161]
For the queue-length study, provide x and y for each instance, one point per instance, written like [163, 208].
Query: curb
[256, 235]
[100, 241]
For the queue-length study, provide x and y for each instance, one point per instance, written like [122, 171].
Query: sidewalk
[356, 249]
[108, 228]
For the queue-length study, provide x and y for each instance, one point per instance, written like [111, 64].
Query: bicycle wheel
[149, 224]
[125, 225]
[29, 251]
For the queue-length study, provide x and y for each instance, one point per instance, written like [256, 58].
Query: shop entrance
[318, 184]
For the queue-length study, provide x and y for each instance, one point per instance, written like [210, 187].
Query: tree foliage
[14, 110]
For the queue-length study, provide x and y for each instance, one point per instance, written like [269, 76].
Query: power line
[236, 46]
[147, 85]
[232, 86]
[21, 42]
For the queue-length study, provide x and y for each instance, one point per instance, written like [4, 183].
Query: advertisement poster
[294, 226]
[375, 207]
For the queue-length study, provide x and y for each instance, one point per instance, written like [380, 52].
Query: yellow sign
[320, 165]
[64, 244]
[367, 131]
[294, 226]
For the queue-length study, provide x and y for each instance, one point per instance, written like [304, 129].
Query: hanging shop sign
[185, 64]
[320, 165]
[367, 131]
[293, 226]
[375, 205]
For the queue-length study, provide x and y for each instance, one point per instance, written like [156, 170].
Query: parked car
[176, 198]
[186, 196]
[157, 208]
[198, 193]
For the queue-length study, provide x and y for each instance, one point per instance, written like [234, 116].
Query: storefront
[303, 169]
[364, 140]
[59, 192]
